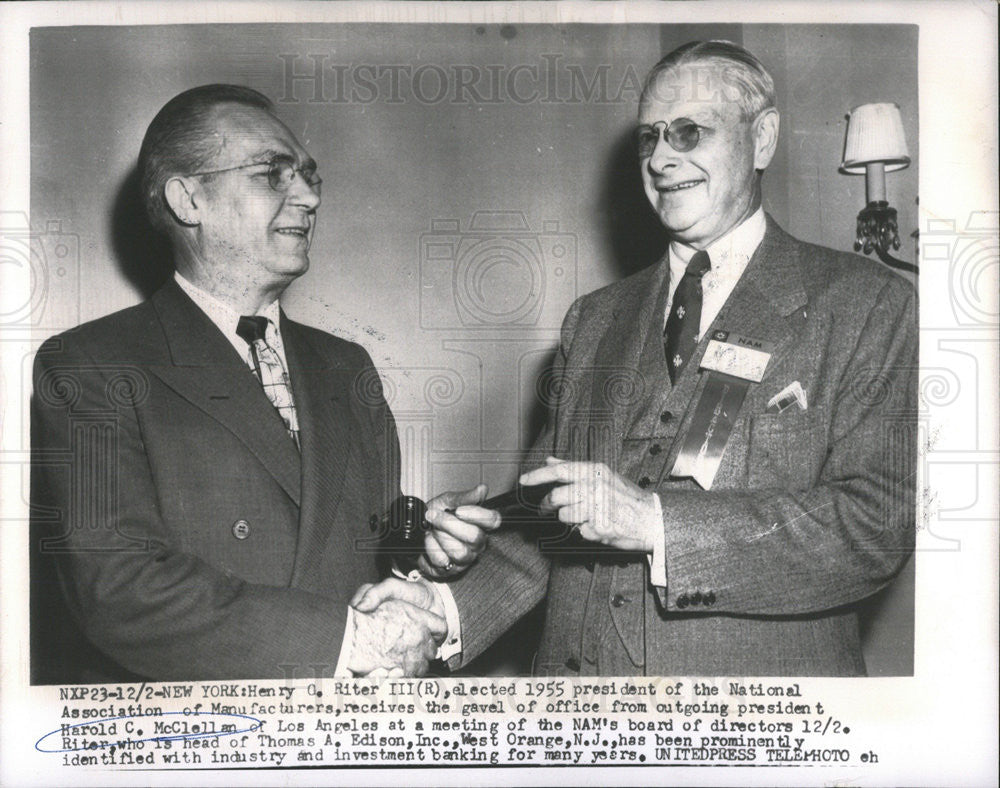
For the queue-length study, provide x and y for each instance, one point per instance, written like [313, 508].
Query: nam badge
[732, 362]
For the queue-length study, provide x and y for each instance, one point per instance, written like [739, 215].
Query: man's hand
[605, 507]
[459, 532]
[398, 626]
[420, 594]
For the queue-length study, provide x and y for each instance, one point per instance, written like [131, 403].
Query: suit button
[618, 600]
[241, 529]
[655, 449]
[573, 664]
[696, 598]
[666, 416]
[645, 481]
[373, 522]
[710, 598]
[682, 601]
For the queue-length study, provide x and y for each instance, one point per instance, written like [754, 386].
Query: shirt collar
[224, 316]
[729, 254]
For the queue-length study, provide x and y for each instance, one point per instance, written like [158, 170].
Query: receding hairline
[719, 66]
[217, 113]
[672, 72]
[752, 83]
[270, 149]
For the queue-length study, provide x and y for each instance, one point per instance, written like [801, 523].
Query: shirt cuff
[658, 560]
[342, 671]
[453, 642]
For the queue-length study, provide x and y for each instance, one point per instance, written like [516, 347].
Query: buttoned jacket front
[189, 537]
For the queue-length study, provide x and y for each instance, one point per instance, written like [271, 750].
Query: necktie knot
[699, 264]
[251, 328]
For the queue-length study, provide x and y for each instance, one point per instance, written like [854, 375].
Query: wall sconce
[876, 145]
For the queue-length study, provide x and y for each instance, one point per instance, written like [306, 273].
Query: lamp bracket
[878, 231]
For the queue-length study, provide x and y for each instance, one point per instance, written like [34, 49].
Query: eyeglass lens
[281, 174]
[682, 135]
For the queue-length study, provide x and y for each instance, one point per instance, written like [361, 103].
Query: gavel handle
[403, 540]
[520, 499]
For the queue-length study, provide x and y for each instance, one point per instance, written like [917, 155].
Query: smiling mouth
[677, 187]
[298, 232]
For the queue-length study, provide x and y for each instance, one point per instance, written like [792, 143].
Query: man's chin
[302, 265]
[291, 266]
[680, 227]
[679, 215]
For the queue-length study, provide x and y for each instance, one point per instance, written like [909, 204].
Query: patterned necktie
[269, 370]
[680, 337]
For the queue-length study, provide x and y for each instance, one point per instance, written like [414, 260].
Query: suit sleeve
[159, 612]
[511, 575]
[782, 552]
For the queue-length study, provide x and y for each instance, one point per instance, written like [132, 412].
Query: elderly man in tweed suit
[734, 437]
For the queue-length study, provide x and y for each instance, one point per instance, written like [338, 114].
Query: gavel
[404, 526]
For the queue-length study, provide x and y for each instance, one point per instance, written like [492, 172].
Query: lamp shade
[875, 134]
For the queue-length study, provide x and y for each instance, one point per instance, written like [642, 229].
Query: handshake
[399, 625]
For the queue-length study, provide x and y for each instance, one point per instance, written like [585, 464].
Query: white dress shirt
[226, 319]
[729, 256]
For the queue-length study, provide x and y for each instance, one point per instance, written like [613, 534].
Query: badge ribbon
[733, 362]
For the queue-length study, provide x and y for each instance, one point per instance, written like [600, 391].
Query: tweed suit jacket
[177, 533]
[810, 512]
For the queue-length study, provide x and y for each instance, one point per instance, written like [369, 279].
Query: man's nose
[663, 157]
[301, 193]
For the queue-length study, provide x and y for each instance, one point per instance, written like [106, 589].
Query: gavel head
[403, 529]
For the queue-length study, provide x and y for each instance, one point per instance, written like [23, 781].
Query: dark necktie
[680, 337]
[269, 370]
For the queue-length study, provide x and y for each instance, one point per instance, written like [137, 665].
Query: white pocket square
[792, 393]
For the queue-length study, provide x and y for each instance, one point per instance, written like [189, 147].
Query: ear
[765, 137]
[180, 198]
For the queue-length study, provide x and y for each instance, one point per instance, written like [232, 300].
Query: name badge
[740, 356]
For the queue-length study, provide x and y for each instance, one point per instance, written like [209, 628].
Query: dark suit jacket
[188, 537]
[810, 512]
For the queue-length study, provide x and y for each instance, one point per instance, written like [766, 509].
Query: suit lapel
[322, 395]
[767, 301]
[620, 378]
[209, 374]
[621, 347]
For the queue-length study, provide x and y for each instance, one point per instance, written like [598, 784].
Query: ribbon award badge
[732, 362]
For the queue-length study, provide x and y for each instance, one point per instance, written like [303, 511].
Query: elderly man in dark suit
[734, 436]
[208, 473]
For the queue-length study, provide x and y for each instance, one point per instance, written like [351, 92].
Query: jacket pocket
[786, 450]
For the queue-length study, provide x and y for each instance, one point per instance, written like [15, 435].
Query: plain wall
[461, 321]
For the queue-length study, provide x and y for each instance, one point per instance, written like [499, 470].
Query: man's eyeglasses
[682, 135]
[280, 173]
